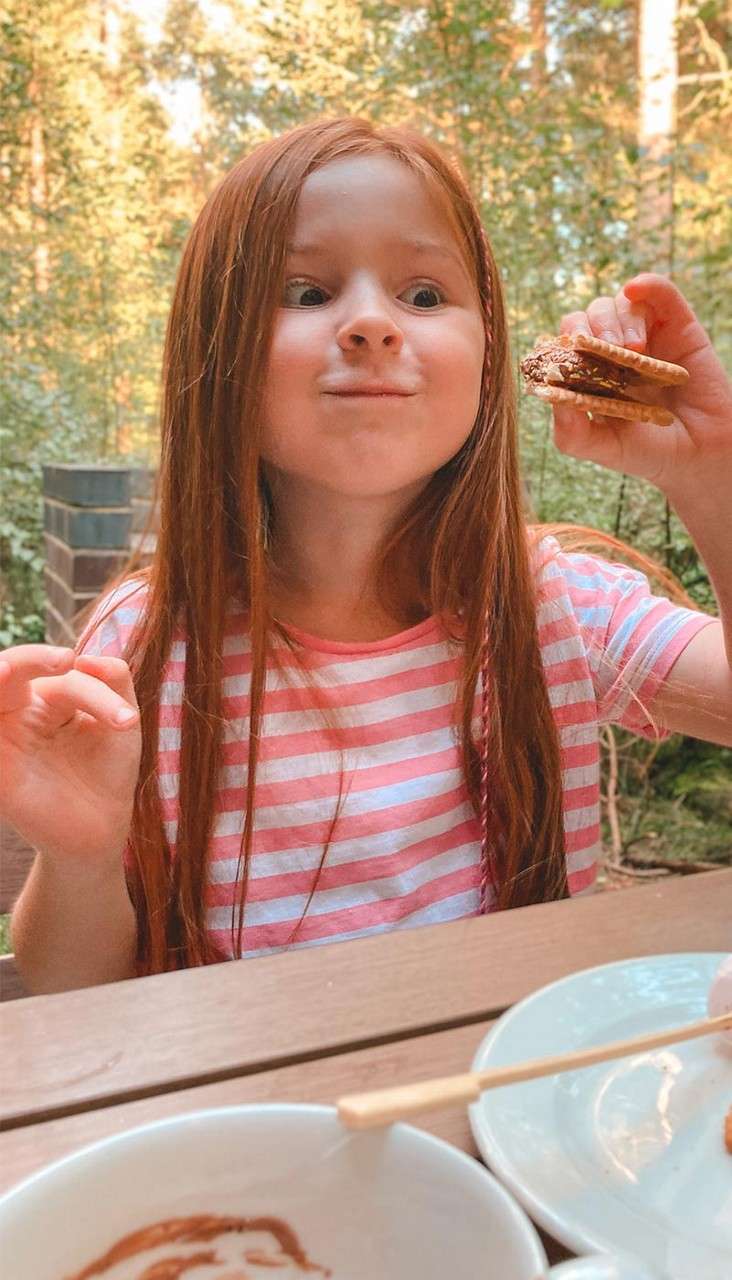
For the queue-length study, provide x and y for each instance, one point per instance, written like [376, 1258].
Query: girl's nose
[370, 327]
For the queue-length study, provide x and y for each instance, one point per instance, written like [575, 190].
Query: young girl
[369, 695]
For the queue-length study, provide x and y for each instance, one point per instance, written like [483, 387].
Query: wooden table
[311, 1025]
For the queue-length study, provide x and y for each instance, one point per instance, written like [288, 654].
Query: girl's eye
[422, 295]
[302, 293]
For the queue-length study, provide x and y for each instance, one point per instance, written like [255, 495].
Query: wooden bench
[15, 863]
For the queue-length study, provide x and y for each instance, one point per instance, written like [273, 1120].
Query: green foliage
[675, 799]
[21, 561]
[98, 195]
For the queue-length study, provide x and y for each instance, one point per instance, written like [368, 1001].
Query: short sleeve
[108, 632]
[631, 636]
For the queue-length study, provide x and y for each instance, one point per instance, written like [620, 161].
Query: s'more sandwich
[598, 377]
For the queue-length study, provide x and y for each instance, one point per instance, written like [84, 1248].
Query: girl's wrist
[702, 502]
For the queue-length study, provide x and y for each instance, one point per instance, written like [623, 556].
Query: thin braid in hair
[485, 847]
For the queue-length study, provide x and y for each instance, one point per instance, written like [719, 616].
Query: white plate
[627, 1154]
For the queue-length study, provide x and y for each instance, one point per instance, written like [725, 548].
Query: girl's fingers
[646, 304]
[575, 322]
[25, 662]
[29, 660]
[677, 333]
[667, 303]
[113, 672]
[593, 440]
[77, 691]
[632, 317]
[604, 320]
[618, 320]
[102, 687]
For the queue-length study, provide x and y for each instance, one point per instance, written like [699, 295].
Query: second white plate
[627, 1155]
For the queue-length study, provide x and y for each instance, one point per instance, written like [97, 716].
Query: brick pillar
[92, 515]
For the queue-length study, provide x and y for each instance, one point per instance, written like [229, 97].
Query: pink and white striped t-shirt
[406, 847]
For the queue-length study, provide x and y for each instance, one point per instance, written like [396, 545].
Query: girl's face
[375, 369]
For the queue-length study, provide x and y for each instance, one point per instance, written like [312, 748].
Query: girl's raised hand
[70, 747]
[650, 315]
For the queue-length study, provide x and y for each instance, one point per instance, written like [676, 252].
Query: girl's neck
[343, 619]
[323, 557]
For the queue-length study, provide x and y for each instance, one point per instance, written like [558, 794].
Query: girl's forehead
[354, 193]
[347, 173]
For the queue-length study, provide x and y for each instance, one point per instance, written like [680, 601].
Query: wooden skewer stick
[382, 1106]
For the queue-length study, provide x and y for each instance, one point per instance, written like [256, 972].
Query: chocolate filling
[551, 364]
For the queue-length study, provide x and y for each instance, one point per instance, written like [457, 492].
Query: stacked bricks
[92, 516]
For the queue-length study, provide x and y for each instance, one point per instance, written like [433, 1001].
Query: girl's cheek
[456, 350]
[298, 344]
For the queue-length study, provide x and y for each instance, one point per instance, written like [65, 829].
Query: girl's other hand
[70, 745]
[650, 315]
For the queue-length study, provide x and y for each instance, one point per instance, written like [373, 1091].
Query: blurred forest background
[596, 136]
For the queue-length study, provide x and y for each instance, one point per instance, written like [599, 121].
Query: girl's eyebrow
[303, 249]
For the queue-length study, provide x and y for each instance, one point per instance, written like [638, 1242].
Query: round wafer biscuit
[662, 371]
[603, 405]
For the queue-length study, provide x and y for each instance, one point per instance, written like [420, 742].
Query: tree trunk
[110, 46]
[537, 20]
[611, 797]
[110, 42]
[38, 191]
[657, 79]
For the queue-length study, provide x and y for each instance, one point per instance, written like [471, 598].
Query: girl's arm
[74, 927]
[696, 696]
[690, 462]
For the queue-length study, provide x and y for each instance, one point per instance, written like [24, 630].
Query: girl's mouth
[358, 390]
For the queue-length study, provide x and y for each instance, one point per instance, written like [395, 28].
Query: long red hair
[467, 533]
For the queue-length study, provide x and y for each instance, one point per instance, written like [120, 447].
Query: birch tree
[657, 78]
